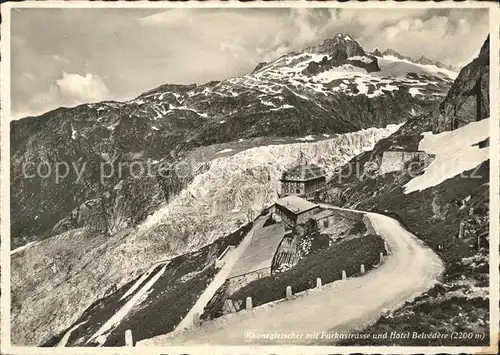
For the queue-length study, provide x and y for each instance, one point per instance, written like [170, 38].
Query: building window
[297, 191]
[325, 223]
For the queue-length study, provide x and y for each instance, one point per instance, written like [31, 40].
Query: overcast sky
[63, 57]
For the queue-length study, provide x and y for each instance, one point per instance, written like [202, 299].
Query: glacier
[235, 188]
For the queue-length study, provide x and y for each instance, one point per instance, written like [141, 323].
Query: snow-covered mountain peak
[341, 46]
[337, 65]
[393, 53]
[316, 79]
[343, 36]
[421, 60]
[336, 68]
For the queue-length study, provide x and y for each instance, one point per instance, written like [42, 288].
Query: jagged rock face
[485, 48]
[340, 50]
[393, 53]
[424, 60]
[468, 98]
[166, 123]
[372, 66]
[126, 205]
[369, 63]
[259, 66]
[377, 53]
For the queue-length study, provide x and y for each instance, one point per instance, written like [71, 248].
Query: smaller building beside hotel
[325, 220]
[295, 210]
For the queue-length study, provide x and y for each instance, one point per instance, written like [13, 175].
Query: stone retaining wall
[396, 160]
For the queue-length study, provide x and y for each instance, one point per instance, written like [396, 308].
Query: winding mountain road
[344, 306]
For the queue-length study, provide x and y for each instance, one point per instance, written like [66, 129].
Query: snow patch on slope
[73, 133]
[282, 107]
[414, 91]
[138, 283]
[455, 152]
[224, 151]
[363, 59]
[101, 335]
[393, 66]
[306, 138]
[17, 250]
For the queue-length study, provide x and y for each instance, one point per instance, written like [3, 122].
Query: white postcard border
[6, 9]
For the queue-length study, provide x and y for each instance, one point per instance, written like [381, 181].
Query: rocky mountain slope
[468, 98]
[335, 87]
[108, 220]
[433, 175]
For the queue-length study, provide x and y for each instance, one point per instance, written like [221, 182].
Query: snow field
[456, 152]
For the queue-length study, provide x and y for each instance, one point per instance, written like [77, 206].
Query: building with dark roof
[303, 181]
[295, 210]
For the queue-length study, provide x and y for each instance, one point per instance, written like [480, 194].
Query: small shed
[325, 220]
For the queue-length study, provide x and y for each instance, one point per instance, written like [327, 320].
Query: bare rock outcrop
[468, 98]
